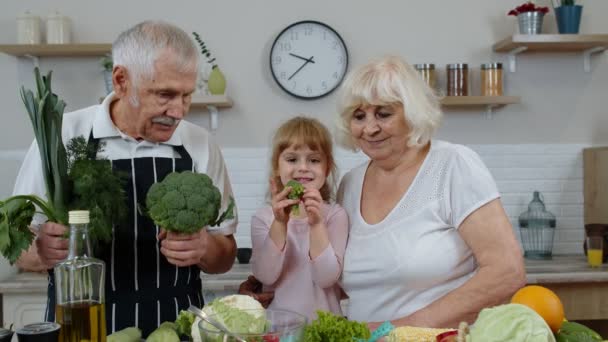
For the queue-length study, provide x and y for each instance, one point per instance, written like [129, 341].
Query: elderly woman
[430, 244]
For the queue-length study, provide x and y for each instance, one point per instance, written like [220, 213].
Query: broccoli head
[297, 191]
[185, 202]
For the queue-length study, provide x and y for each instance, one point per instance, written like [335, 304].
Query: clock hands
[309, 60]
[300, 57]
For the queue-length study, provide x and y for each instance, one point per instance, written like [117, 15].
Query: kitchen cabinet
[23, 296]
[210, 102]
[583, 290]
[587, 44]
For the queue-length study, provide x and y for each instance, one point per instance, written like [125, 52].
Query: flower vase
[530, 22]
[217, 82]
[568, 18]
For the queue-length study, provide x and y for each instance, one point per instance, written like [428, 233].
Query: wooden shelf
[211, 103]
[464, 101]
[218, 101]
[552, 42]
[488, 102]
[587, 44]
[56, 50]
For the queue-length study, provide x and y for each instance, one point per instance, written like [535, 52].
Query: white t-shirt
[415, 255]
[205, 153]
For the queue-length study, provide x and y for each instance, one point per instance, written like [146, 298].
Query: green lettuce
[236, 319]
[510, 322]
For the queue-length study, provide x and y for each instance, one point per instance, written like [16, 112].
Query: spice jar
[428, 74]
[491, 79]
[458, 79]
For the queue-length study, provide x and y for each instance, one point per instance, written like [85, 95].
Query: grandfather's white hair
[138, 48]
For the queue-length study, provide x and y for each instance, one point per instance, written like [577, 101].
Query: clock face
[308, 59]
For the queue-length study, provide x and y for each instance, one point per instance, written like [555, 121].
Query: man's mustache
[165, 120]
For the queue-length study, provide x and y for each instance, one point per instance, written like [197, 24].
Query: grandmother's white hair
[138, 48]
[385, 81]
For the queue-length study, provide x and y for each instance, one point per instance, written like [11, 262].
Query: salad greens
[74, 178]
[330, 327]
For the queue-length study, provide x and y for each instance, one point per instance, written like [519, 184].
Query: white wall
[561, 104]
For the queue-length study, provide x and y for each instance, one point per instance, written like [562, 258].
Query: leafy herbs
[15, 235]
[95, 187]
[330, 327]
[74, 179]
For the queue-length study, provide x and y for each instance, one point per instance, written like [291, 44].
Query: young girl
[300, 258]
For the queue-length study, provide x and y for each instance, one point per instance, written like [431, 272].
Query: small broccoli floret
[185, 202]
[297, 191]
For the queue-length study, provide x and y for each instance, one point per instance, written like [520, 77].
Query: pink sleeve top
[301, 284]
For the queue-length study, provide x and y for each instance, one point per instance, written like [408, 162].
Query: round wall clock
[308, 59]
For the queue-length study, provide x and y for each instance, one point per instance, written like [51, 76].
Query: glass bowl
[284, 326]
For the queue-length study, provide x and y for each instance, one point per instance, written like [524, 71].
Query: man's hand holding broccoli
[182, 205]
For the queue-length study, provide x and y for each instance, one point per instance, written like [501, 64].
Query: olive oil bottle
[79, 284]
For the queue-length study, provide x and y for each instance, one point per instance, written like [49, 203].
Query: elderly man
[150, 275]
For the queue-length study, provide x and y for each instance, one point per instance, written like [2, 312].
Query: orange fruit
[544, 301]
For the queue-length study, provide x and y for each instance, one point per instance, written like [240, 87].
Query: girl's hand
[312, 204]
[281, 205]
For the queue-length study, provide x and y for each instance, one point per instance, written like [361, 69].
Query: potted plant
[530, 17]
[568, 15]
[216, 82]
[107, 64]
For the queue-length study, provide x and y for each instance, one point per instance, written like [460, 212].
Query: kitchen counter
[564, 269]
[583, 290]
[561, 269]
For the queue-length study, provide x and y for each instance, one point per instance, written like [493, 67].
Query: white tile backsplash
[554, 169]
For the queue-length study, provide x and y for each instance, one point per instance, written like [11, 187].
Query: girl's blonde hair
[386, 81]
[304, 131]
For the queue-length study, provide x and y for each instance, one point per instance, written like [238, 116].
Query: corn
[414, 334]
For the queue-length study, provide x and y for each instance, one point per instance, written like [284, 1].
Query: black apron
[142, 288]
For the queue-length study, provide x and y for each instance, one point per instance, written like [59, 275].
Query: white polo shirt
[205, 153]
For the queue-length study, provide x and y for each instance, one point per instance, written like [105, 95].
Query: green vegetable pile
[575, 332]
[510, 322]
[131, 334]
[297, 191]
[185, 202]
[183, 323]
[166, 332]
[74, 179]
[330, 327]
